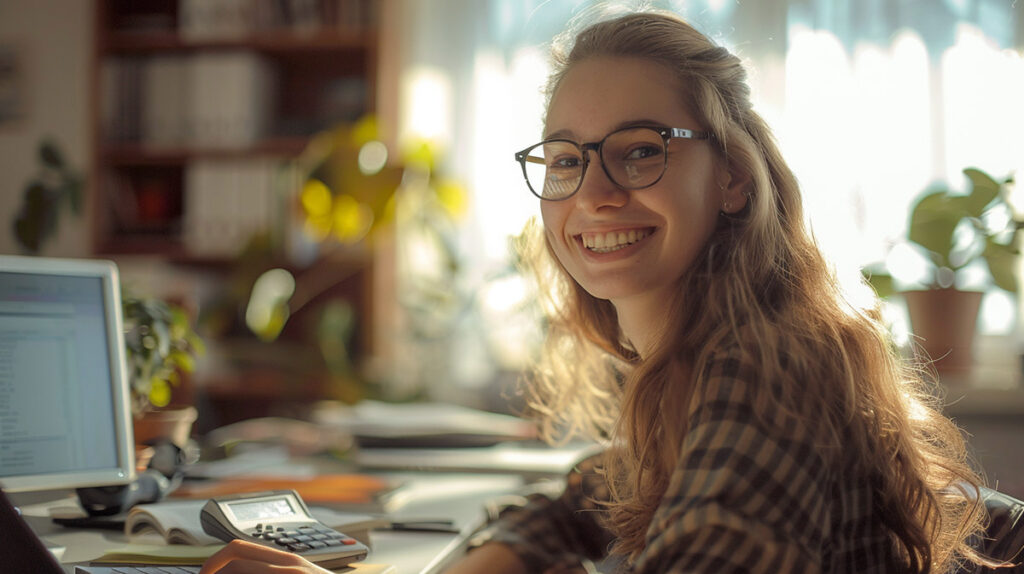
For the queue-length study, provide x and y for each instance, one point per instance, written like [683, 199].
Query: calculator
[279, 519]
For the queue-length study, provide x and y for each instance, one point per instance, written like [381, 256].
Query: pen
[441, 525]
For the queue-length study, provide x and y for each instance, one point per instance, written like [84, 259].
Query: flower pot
[944, 322]
[174, 424]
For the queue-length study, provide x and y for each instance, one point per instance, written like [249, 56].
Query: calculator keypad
[303, 538]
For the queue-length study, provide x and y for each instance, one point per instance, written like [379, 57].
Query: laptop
[23, 553]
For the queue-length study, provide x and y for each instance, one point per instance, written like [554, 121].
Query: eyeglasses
[632, 158]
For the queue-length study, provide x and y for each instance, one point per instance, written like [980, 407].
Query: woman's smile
[606, 242]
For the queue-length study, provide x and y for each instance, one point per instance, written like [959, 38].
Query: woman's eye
[565, 162]
[643, 151]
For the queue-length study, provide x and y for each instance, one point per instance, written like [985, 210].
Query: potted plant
[955, 232]
[160, 346]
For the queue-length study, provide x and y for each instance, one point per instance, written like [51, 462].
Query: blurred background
[326, 187]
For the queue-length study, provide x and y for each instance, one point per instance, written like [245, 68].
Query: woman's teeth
[613, 241]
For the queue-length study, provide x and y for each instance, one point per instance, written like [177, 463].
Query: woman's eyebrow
[643, 122]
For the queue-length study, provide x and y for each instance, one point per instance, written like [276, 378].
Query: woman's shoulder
[742, 383]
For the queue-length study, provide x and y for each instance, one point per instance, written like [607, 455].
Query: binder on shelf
[231, 99]
[215, 20]
[227, 202]
[165, 89]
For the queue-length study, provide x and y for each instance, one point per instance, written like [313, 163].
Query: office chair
[1004, 536]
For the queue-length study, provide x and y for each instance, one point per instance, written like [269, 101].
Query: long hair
[760, 284]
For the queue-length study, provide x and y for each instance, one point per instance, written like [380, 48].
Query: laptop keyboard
[137, 570]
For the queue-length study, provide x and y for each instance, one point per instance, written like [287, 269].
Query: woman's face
[632, 246]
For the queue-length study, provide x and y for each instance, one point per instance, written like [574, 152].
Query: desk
[432, 495]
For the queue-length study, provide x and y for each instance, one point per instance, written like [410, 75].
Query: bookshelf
[198, 111]
[199, 106]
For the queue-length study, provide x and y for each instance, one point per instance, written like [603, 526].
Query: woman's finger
[256, 555]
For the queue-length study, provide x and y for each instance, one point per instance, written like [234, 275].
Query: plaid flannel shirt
[745, 496]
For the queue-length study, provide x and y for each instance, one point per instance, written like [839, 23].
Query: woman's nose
[597, 190]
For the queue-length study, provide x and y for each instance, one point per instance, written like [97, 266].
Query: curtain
[872, 102]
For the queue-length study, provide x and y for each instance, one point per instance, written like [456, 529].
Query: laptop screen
[64, 416]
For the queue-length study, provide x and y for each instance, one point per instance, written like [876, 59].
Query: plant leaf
[881, 282]
[27, 231]
[50, 155]
[163, 336]
[984, 191]
[932, 222]
[1001, 260]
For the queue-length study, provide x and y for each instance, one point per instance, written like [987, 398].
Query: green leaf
[163, 336]
[73, 192]
[933, 221]
[183, 361]
[881, 282]
[159, 392]
[984, 191]
[50, 155]
[28, 232]
[1001, 260]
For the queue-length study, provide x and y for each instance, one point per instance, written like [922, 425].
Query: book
[160, 555]
[178, 523]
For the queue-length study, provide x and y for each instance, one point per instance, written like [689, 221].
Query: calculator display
[263, 509]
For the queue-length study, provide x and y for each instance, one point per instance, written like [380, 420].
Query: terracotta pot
[173, 423]
[944, 322]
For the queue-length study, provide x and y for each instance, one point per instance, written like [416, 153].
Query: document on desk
[425, 424]
[528, 459]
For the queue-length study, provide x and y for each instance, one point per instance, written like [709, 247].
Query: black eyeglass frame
[666, 134]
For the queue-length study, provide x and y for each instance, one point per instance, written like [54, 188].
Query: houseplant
[55, 184]
[955, 232]
[160, 346]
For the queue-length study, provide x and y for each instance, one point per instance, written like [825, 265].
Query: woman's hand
[240, 557]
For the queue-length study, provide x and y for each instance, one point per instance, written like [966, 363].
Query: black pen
[441, 525]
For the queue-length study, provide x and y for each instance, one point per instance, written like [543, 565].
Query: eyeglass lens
[632, 159]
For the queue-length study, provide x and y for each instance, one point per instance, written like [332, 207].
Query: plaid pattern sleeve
[753, 494]
[557, 534]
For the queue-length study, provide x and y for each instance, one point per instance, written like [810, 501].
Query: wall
[54, 38]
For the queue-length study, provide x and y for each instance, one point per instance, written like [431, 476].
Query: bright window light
[426, 105]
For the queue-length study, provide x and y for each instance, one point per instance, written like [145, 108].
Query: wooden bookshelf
[319, 72]
[143, 191]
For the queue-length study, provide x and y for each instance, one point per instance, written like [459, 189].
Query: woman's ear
[734, 189]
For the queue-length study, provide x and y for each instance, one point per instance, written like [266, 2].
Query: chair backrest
[1004, 537]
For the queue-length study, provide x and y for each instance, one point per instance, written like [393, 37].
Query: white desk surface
[408, 552]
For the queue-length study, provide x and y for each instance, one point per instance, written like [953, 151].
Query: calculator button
[303, 538]
[272, 535]
[332, 542]
[298, 547]
[336, 535]
[347, 541]
[285, 541]
[292, 533]
[319, 536]
[316, 544]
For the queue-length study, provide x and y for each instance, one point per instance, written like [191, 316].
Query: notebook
[23, 552]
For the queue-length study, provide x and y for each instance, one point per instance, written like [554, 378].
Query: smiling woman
[757, 421]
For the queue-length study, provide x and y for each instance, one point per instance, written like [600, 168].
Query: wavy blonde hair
[760, 284]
